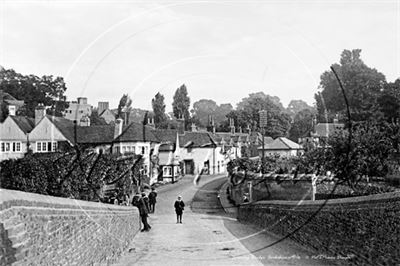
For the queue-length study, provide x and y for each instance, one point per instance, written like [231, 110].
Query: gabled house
[281, 146]
[14, 137]
[320, 133]
[138, 139]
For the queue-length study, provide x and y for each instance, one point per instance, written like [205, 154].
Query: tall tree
[295, 106]
[302, 124]
[159, 109]
[362, 86]
[181, 104]
[124, 107]
[47, 90]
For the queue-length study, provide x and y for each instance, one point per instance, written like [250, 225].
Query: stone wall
[44, 230]
[361, 230]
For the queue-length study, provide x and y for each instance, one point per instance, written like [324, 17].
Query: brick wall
[363, 230]
[43, 230]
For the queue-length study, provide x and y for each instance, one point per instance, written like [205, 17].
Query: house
[138, 139]
[14, 137]
[104, 111]
[198, 151]
[281, 146]
[77, 110]
[321, 132]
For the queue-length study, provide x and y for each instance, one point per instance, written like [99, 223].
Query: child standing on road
[179, 207]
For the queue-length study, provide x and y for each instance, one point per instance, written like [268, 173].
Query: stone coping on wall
[14, 198]
[391, 196]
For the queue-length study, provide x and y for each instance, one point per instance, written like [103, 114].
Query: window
[143, 150]
[167, 171]
[46, 146]
[7, 146]
[133, 149]
[3, 147]
[123, 149]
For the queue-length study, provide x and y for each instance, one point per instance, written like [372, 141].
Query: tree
[95, 119]
[389, 100]
[278, 119]
[124, 107]
[203, 109]
[302, 124]
[181, 104]
[362, 86]
[295, 106]
[158, 109]
[33, 90]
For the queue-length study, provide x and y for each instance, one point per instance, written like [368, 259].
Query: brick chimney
[40, 112]
[118, 127]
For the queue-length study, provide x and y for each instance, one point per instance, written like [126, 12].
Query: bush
[72, 175]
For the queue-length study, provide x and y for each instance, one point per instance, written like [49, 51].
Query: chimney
[82, 100]
[118, 127]
[40, 112]
[11, 110]
[181, 126]
[101, 106]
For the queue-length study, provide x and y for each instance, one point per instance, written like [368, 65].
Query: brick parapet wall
[362, 230]
[43, 230]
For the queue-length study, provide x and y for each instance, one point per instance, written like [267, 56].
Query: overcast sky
[221, 50]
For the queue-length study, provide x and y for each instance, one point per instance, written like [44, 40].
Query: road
[207, 236]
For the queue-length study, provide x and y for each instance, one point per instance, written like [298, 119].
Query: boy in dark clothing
[153, 200]
[179, 207]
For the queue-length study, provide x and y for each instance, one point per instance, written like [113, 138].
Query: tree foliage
[31, 89]
[124, 106]
[72, 175]
[205, 108]
[181, 104]
[362, 87]
[95, 119]
[302, 124]
[158, 109]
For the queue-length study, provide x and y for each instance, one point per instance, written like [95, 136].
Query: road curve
[207, 236]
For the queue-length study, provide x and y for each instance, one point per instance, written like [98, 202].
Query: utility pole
[263, 123]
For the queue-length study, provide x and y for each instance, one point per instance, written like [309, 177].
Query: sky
[221, 50]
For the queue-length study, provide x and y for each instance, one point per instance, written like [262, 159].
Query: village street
[208, 236]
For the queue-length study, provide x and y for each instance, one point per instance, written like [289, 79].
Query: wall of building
[45, 131]
[43, 230]
[76, 111]
[201, 155]
[10, 133]
[352, 231]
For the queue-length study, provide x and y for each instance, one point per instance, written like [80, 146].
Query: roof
[198, 139]
[95, 134]
[134, 132]
[65, 126]
[325, 129]
[281, 143]
[165, 135]
[26, 124]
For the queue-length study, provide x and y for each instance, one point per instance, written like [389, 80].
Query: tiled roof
[281, 144]
[165, 135]
[326, 129]
[134, 132]
[26, 124]
[95, 134]
[65, 126]
[199, 139]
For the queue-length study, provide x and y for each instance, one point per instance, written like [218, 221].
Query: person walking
[140, 203]
[179, 207]
[153, 199]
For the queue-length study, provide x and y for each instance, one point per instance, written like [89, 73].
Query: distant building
[281, 146]
[320, 133]
[12, 103]
[77, 110]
